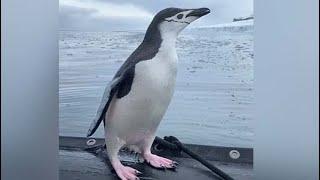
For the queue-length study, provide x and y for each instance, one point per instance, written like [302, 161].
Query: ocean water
[214, 97]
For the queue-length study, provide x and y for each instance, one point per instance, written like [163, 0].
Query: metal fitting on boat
[234, 154]
[91, 142]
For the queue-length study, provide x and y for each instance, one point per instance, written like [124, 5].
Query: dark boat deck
[76, 164]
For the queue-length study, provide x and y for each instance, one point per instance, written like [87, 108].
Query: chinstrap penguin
[138, 96]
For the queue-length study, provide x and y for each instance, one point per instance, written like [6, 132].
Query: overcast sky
[112, 15]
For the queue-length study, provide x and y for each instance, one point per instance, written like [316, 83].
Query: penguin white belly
[134, 118]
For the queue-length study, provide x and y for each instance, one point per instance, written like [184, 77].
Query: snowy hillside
[246, 25]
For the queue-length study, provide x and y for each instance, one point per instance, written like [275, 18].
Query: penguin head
[170, 22]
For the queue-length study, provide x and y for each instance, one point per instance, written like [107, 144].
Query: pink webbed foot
[126, 172]
[160, 162]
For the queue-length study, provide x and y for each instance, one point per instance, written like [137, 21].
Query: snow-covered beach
[214, 97]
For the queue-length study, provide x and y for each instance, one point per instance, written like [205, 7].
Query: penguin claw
[125, 172]
[163, 167]
[159, 162]
[138, 173]
[173, 166]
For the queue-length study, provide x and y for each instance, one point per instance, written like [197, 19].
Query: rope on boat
[173, 143]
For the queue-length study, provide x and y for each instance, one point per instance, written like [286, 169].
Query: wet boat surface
[76, 163]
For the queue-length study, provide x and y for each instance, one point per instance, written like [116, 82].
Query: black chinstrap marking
[182, 22]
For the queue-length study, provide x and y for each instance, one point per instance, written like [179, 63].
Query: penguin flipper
[121, 84]
[105, 102]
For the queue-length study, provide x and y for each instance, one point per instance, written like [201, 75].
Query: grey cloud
[70, 16]
[73, 18]
[76, 18]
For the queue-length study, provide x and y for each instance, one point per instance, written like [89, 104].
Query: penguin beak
[199, 12]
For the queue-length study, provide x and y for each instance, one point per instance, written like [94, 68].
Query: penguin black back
[168, 20]
[145, 51]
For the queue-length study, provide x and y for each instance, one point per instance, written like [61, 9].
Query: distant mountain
[242, 18]
[235, 26]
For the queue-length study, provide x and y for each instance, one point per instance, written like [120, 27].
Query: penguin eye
[180, 16]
